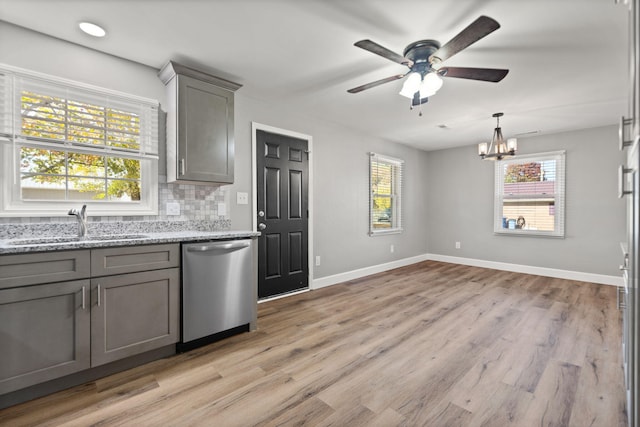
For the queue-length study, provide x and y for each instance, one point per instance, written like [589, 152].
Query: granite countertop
[110, 237]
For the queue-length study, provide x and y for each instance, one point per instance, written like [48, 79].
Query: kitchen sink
[73, 239]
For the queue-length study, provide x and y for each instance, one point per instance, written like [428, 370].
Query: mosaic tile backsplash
[198, 211]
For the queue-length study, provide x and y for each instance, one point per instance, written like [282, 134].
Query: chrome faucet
[81, 216]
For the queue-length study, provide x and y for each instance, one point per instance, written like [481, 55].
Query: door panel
[295, 252]
[272, 193]
[283, 173]
[273, 255]
[295, 194]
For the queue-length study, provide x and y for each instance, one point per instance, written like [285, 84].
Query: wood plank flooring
[432, 344]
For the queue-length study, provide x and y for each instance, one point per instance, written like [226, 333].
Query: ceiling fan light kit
[427, 85]
[425, 58]
[498, 149]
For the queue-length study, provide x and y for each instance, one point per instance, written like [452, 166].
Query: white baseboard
[528, 269]
[516, 268]
[367, 271]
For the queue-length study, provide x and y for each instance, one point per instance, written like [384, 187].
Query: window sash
[137, 139]
[539, 206]
[14, 82]
[389, 188]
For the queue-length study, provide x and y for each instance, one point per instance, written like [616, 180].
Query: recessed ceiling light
[92, 29]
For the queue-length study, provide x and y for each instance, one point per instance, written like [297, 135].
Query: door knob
[262, 226]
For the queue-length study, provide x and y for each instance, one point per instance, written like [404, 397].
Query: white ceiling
[567, 58]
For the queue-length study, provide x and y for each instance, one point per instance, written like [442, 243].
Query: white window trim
[10, 203]
[559, 195]
[397, 195]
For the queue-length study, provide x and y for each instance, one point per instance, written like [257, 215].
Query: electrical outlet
[317, 260]
[173, 208]
[457, 245]
[242, 198]
[222, 209]
[391, 248]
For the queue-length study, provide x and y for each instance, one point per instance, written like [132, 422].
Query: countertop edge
[148, 239]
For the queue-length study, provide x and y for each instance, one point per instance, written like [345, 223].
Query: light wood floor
[433, 344]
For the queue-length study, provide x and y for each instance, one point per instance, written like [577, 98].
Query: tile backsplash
[199, 203]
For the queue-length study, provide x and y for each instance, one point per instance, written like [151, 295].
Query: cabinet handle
[83, 298]
[98, 295]
[622, 171]
[181, 171]
[624, 125]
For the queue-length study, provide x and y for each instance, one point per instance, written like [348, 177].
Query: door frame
[255, 126]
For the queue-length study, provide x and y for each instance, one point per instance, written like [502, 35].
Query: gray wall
[340, 194]
[339, 155]
[461, 208]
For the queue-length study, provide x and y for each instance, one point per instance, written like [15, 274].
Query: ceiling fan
[425, 57]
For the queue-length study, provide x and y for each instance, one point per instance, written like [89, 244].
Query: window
[64, 144]
[385, 201]
[529, 197]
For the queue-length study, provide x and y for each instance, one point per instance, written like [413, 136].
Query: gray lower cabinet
[45, 333]
[134, 313]
[49, 330]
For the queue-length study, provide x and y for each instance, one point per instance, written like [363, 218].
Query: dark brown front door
[283, 175]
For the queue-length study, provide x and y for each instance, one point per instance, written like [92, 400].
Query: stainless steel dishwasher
[219, 291]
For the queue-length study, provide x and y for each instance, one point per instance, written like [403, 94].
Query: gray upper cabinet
[200, 125]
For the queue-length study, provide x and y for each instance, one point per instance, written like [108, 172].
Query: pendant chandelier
[498, 148]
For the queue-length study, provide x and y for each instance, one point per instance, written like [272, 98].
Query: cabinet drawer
[132, 259]
[40, 268]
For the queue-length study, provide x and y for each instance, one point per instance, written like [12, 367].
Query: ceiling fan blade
[478, 29]
[384, 52]
[376, 83]
[484, 74]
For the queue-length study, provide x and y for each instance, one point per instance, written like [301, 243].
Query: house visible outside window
[529, 195]
[66, 144]
[385, 201]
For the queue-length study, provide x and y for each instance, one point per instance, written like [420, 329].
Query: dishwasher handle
[218, 246]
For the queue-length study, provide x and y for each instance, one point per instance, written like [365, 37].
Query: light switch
[242, 198]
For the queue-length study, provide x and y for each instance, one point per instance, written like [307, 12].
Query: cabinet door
[205, 132]
[45, 333]
[133, 313]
